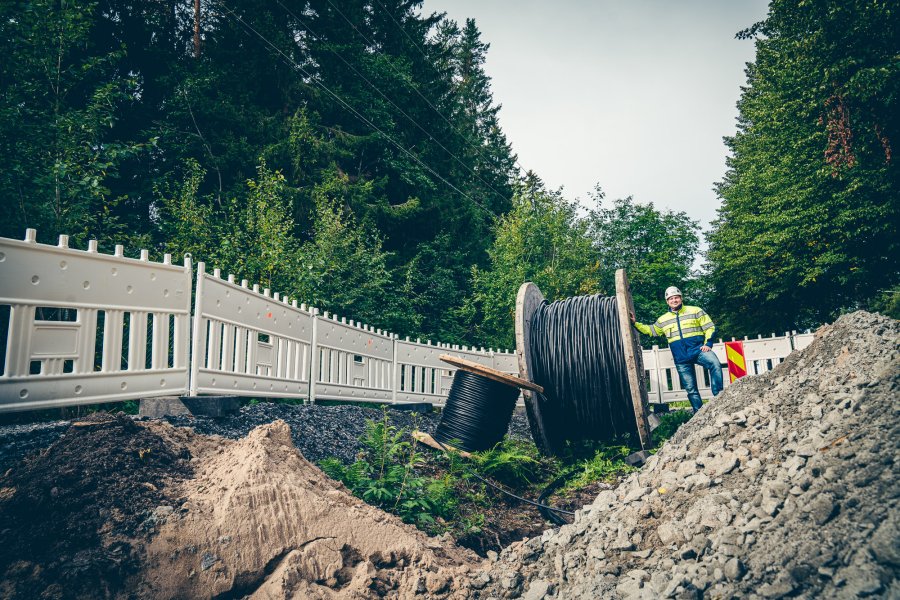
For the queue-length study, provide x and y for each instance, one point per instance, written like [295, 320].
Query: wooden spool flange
[528, 300]
[479, 369]
[634, 359]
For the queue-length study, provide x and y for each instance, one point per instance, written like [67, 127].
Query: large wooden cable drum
[584, 354]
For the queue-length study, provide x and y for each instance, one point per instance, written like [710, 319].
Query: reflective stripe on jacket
[686, 331]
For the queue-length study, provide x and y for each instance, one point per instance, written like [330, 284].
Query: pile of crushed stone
[784, 486]
[75, 516]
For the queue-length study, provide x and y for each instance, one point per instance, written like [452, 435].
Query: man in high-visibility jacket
[689, 331]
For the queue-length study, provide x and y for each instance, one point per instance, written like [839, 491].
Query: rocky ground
[784, 486]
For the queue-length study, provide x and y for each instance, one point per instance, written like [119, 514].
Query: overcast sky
[635, 95]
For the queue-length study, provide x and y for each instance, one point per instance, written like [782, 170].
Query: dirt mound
[783, 486]
[72, 515]
[261, 521]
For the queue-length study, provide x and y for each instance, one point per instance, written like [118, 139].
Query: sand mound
[783, 486]
[259, 520]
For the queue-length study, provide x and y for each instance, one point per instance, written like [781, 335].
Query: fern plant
[513, 462]
[385, 476]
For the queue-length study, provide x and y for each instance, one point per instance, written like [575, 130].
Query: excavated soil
[783, 486]
[74, 516]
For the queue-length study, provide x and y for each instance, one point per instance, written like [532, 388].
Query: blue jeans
[688, 377]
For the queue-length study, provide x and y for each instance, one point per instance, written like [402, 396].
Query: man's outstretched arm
[645, 329]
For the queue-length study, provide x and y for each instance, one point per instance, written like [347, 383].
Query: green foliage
[513, 462]
[385, 476]
[541, 240]
[606, 465]
[344, 268]
[60, 102]
[809, 219]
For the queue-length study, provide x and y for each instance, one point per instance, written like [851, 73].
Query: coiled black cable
[477, 413]
[577, 356]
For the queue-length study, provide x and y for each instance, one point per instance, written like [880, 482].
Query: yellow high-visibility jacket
[686, 330]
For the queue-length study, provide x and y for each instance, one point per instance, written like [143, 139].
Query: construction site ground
[783, 486]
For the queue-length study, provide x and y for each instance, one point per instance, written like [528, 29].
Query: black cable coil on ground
[577, 356]
[477, 413]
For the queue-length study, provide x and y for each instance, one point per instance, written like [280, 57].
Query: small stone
[734, 569]
[885, 542]
[538, 590]
[643, 554]
[628, 588]
[822, 508]
[777, 589]
[636, 494]
[492, 556]
[480, 581]
[510, 581]
[207, 560]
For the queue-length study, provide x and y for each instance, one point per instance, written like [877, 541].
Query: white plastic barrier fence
[352, 361]
[761, 354]
[246, 342]
[86, 327]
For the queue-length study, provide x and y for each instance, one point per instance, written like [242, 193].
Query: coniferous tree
[809, 220]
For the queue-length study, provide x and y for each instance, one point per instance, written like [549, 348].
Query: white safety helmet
[672, 291]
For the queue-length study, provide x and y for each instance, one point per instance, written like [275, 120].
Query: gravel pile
[784, 486]
[318, 431]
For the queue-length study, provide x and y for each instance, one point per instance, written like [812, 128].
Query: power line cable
[391, 102]
[422, 52]
[233, 15]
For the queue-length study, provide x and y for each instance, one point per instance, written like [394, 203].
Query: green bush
[608, 464]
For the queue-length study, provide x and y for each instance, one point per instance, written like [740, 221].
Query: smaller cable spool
[479, 406]
[477, 413]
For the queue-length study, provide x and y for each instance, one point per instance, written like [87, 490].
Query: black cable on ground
[577, 356]
[477, 413]
[550, 512]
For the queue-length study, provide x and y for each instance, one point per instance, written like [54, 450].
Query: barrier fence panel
[86, 327]
[420, 374]
[248, 343]
[764, 354]
[352, 361]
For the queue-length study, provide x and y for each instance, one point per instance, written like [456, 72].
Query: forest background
[349, 153]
